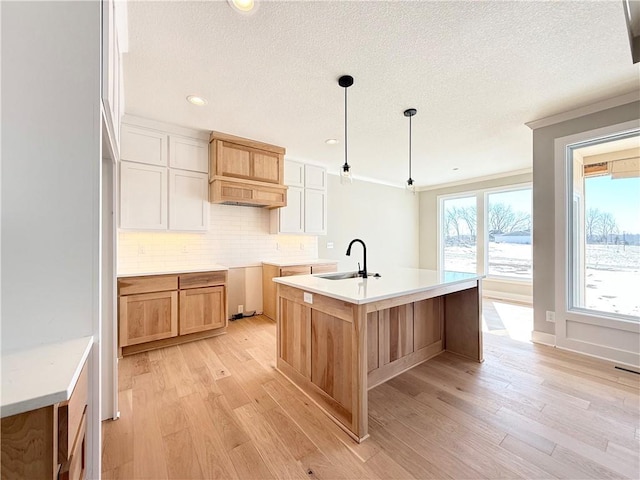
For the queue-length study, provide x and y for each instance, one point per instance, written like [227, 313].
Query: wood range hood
[246, 172]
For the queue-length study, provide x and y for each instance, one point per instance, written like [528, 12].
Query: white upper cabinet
[164, 181]
[293, 173]
[188, 154]
[188, 200]
[315, 177]
[315, 211]
[143, 196]
[143, 145]
[306, 210]
[291, 217]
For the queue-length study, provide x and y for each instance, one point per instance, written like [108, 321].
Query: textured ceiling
[475, 71]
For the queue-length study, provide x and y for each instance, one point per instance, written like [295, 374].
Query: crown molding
[369, 180]
[512, 173]
[586, 110]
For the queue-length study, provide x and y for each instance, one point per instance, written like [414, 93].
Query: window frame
[599, 334]
[571, 274]
[482, 238]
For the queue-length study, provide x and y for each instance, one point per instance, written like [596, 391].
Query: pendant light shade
[345, 82]
[410, 112]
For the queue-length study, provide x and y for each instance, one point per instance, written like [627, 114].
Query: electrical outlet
[277, 246]
[140, 250]
[329, 244]
[551, 316]
[240, 308]
[185, 249]
[302, 246]
[308, 297]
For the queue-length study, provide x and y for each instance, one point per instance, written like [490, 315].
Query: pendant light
[410, 112]
[345, 82]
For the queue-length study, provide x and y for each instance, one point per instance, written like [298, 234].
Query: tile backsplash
[238, 236]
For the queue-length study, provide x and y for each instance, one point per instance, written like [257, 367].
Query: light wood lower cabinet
[50, 442]
[147, 317]
[160, 310]
[269, 272]
[201, 309]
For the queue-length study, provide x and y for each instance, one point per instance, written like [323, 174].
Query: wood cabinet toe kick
[335, 351]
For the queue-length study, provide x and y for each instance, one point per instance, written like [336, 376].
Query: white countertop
[41, 376]
[395, 283]
[172, 270]
[290, 262]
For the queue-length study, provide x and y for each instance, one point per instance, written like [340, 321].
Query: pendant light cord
[410, 147]
[345, 127]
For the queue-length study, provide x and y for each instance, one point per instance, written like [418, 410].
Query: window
[459, 229]
[509, 234]
[605, 226]
[503, 230]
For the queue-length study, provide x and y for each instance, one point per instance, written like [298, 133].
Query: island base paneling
[334, 351]
[411, 334]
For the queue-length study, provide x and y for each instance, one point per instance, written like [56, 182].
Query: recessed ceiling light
[199, 101]
[331, 141]
[244, 6]
[455, 168]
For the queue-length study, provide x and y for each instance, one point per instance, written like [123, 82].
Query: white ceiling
[475, 71]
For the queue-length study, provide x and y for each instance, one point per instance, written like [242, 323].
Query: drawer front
[70, 415]
[295, 270]
[160, 283]
[324, 268]
[202, 279]
[74, 469]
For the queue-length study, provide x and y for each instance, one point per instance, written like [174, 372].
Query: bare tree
[469, 217]
[592, 223]
[502, 219]
[608, 226]
[451, 221]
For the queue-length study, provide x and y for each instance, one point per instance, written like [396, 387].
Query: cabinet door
[189, 200]
[202, 309]
[188, 154]
[143, 146]
[315, 211]
[147, 317]
[232, 160]
[266, 166]
[292, 216]
[293, 173]
[315, 177]
[143, 196]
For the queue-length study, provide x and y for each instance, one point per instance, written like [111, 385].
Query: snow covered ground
[612, 277]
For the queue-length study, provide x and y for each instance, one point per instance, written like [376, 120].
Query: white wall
[385, 218]
[51, 180]
[520, 291]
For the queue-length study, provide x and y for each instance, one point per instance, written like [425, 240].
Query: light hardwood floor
[216, 408]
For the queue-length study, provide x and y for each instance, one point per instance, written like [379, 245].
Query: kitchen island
[339, 337]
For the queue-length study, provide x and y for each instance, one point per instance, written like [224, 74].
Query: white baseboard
[513, 297]
[543, 338]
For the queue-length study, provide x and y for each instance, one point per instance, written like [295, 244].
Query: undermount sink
[344, 275]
